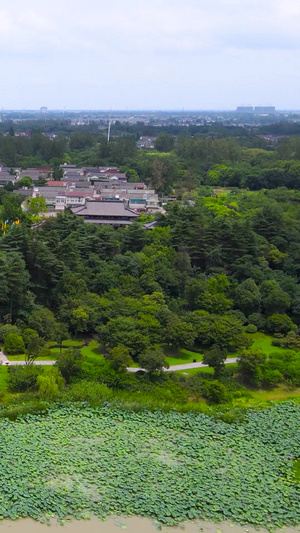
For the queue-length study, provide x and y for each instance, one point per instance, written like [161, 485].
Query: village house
[135, 199]
[37, 173]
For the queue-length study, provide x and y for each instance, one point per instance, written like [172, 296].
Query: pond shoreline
[133, 524]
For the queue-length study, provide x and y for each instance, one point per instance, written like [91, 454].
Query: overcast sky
[149, 54]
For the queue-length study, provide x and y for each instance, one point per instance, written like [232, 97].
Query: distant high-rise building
[44, 110]
[244, 109]
[264, 110]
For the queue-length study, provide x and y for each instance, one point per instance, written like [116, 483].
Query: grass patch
[3, 377]
[278, 393]
[193, 371]
[70, 343]
[264, 342]
[92, 351]
[202, 370]
[180, 356]
[21, 357]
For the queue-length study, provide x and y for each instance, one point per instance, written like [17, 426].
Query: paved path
[187, 366]
[39, 363]
[3, 358]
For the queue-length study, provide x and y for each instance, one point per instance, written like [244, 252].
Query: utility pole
[109, 129]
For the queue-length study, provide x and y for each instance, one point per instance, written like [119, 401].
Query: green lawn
[263, 341]
[180, 356]
[53, 352]
[91, 352]
[3, 377]
[193, 371]
[71, 343]
[21, 357]
[203, 370]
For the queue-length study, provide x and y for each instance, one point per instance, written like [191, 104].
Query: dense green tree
[14, 344]
[279, 323]
[153, 360]
[26, 181]
[215, 357]
[124, 330]
[274, 299]
[37, 205]
[6, 329]
[249, 366]
[11, 204]
[50, 383]
[247, 297]
[69, 364]
[27, 335]
[43, 321]
[164, 143]
[223, 331]
[22, 378]
[179, 333]
[119, 358]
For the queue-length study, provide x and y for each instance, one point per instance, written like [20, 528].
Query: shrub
[100, 371]
[23, 378]
[291, 342]
[27, 335]
[42, 320]
[69, 364]
[214, 391]
[153, 359]
[49, 383]
[258, 320]
[6, 329]
[119, 358]
[277, 342]
[14, 344]
[89, 391]
[271, 377]
[236, 313]
[251, 328]
[279, 323]
[292, 333]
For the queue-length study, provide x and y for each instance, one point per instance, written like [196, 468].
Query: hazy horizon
[161, 55]
[112, 111]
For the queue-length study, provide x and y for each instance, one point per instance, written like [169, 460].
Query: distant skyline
[154, 55]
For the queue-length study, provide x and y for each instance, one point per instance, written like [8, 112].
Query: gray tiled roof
[104, 209]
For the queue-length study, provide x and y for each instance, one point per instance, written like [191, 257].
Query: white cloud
[54, 46]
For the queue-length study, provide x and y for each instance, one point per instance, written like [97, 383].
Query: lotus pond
[79, 461]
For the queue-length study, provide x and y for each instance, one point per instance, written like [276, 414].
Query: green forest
[215, 282]
[216, 279]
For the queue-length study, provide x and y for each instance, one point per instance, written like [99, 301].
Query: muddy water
[131, 525]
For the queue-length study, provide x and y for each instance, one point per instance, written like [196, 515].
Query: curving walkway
[173, 368]
[186, 366]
